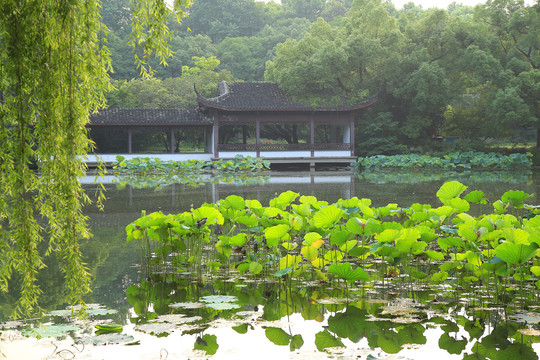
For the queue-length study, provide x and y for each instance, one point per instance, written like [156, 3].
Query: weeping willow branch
[53, 73]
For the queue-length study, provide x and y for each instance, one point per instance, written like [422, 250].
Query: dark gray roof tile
[265, 97]
[154, 117]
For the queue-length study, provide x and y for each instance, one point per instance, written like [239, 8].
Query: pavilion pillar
[172, 141]
[216, 138]
[257, 135]
[244, 134]
[351, 130]
[130, 143]
[312, 135]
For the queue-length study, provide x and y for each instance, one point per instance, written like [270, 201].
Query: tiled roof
[149, 117]
[265, 97]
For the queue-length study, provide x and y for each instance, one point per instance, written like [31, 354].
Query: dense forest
[466, 74]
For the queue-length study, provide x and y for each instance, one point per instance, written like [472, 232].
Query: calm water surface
[116, 265]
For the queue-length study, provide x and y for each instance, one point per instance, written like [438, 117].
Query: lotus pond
[302, 266]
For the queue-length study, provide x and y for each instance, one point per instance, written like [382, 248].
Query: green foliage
[299, 237]
[53, 73]
[147, 165]
[465, 160]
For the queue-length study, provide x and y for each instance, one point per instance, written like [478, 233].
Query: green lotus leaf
[334, 255]
[234, 201]
[255, 267]
[327, 216]
[310, 237]
[356, 225]
[296, 342]
[207, 343]
[515, 197]
[49, 331]
[453, 346]
[346, 247]
[307, 199]
[517, 236]
[339, 237]
[212, 215]
[238, 239]
[387, 235]
[310, 252]
[284, 199]
[434, 255]
[325, 339]
[217, 299]
[277, 231]
[241, 329]
[439, 276]
[277, 336]
[289, 261]
[250, 221]
[515, 254]
[476, 197]
[460, 205]
[344, 271]
[450, 190]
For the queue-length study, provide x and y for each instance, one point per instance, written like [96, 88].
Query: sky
[426, 4]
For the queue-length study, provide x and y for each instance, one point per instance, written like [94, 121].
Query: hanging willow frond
[53, 73]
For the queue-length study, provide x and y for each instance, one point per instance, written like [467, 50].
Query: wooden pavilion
[248, 119]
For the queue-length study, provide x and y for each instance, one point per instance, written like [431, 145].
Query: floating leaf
[216, 299]
[50, 331]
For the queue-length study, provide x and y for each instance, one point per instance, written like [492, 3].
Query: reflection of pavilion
[249, 119]
[177, 197]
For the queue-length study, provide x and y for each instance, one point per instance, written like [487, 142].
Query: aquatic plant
[302, 237]
[149, 165]
[464, 160]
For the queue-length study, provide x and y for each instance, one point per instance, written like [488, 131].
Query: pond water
[221, 316]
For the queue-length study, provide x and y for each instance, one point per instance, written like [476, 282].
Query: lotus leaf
[309, 252]
[325, 340]
[515, 254]
[450, 190]
[345, 272]
[255, 268]
[49, 331]
[207, 343]
[289, 261]
[235, 202]
[277, 336]
[107, 339]
[327, 216]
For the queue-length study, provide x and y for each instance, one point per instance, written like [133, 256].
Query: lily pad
[107, 339]
[216, 299]
[223, 306]
[50, 331]
[187, 305]
[156, 328]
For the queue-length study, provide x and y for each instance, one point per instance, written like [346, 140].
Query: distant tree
[243, 57]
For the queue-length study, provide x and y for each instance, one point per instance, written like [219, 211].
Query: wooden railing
[285, 147]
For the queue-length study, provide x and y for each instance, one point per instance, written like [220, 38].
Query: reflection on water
[301, 318]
